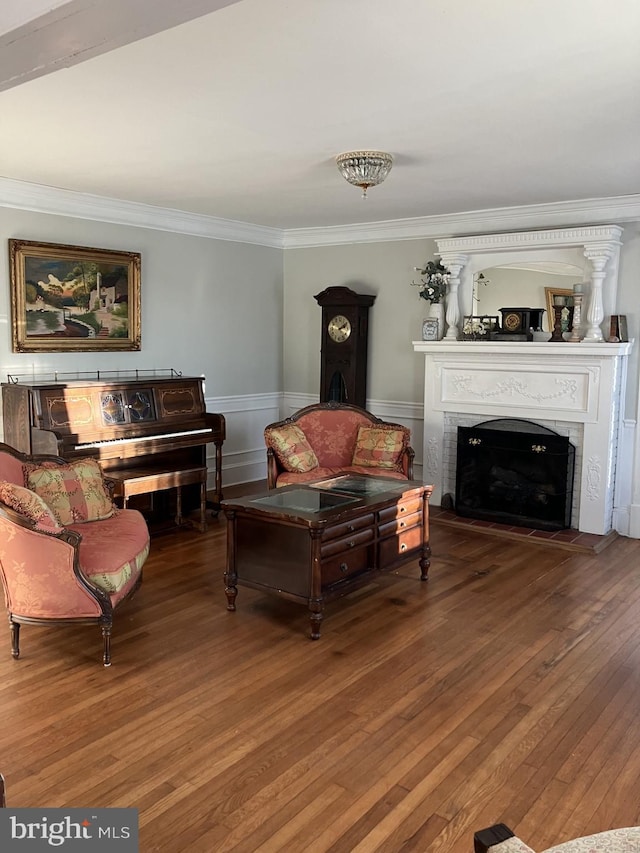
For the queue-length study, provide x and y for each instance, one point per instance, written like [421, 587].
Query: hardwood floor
[505, 689]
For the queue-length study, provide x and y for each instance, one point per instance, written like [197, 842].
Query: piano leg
[203, 506]
[178, 506]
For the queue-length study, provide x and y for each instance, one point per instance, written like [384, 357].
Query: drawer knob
[403, 524]
[350, 528]
[403, 546]
[344, 568]
[352, 544]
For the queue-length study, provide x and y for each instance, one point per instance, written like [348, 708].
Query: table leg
[316, 615]
[425, 562]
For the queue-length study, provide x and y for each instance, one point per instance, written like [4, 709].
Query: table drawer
[347, 543]
[396, 547]
[397, 525]
[403, 508]
[346, 565]
[347, 527]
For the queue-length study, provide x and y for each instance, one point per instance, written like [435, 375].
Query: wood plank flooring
[506, 689]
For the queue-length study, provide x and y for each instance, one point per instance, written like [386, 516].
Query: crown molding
[41, 199]
[23, 195]
[527, 217]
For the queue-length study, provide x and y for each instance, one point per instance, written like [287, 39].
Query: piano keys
[150, 433]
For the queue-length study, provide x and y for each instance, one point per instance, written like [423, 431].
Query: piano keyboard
[109, 442]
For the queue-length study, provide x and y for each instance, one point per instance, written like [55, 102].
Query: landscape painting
[73, 298]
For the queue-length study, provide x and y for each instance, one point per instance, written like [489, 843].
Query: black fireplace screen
[515, 472]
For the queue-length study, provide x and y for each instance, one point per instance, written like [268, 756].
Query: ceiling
[236, 110]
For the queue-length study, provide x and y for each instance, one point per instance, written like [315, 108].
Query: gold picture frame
[73, 298]
[551, 294]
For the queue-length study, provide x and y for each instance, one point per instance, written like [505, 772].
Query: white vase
[436, 311]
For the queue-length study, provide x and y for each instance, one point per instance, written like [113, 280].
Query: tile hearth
[570, 539]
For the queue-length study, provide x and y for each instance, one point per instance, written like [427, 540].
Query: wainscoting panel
[244, 458]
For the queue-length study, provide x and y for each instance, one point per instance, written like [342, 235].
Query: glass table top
[361, 486]
[305, 500]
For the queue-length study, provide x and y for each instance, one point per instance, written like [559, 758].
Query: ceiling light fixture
[364, 169]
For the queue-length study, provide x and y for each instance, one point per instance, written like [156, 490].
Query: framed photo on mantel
[430, 329]
[618, 328]
[73, 298]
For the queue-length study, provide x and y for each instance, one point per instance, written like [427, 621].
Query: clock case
[517, 324]
[343, 364]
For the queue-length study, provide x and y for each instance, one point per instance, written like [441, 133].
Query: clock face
[512, 322]
[339, 328]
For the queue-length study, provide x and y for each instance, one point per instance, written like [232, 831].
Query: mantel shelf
[539, 348]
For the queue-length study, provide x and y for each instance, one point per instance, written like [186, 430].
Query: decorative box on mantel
[580, 386]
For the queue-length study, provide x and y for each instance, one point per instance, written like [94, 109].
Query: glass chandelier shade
[364, 169]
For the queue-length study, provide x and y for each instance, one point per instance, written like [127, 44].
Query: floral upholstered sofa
[326, 439]
[67, 554]
[500, 839]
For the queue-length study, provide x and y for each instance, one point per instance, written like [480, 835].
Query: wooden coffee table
[314, 542]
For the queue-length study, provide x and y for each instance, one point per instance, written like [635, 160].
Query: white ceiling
[238, 113]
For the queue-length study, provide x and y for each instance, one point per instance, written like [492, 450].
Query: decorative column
[598, 254]
[455, 263]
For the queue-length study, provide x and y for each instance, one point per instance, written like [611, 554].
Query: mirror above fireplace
[525, 285]
[593, 249]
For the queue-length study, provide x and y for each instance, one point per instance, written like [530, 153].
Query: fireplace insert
[515, 472]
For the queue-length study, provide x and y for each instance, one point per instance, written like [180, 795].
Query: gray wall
[386, 269]
[209, 307]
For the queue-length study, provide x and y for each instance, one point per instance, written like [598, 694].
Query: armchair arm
[408, 456]
[273, 468]
[41, 572]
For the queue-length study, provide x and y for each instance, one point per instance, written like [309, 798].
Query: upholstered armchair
[500, 839]
[67, 554]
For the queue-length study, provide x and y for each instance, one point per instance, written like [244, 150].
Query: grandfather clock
[343, 357]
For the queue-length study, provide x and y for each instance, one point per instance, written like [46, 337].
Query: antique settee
[500, 839]
[67, 554]
[327, 439]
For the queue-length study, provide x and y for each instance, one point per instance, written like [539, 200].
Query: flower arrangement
[435, 278]
[474, 328]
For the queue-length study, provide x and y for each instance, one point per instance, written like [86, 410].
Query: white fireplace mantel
[581, 383]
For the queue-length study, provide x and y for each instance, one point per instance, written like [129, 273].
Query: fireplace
[575, 390]
[514, 471]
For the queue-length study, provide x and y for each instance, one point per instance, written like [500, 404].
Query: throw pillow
[379, 447]
[73, 492]
[292, 448]
[29, 504]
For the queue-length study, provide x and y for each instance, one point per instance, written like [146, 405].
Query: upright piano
[149, 432]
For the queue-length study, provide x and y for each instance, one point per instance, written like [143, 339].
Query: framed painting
[559, 297]
[73, 298]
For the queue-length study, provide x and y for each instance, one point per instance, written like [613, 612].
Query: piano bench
[139, 481]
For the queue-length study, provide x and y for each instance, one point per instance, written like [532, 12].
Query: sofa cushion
[292, 448]
[73, 492]
[289, 478]
[379, 447]
[29, 504]
[113, 551]
[386, 473]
